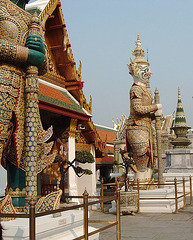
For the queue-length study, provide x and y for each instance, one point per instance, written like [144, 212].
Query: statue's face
[144, 74]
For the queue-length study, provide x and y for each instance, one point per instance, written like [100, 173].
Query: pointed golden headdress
[139, 58]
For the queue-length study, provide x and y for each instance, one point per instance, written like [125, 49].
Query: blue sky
[102, 35]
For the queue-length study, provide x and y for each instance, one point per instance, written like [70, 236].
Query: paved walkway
[146, 226]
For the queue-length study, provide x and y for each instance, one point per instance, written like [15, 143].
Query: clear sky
[102, 34]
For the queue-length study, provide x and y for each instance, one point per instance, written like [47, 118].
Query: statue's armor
[14, 23]
[139, 130]
[13, 31]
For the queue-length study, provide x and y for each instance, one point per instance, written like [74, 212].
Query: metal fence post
[115, 183]
[102, 194]
[190, 190]
[184, 192]
[118, 213]
[176, 194]
[138, 200]
[32, 219]
[85, 202]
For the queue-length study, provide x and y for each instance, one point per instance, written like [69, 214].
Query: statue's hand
[36, 50]
[159, 106]
[159, 113]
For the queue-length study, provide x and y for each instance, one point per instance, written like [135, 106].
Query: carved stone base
[128, 201]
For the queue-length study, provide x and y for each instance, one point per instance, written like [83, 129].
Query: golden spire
[180, 119]
[180, 127]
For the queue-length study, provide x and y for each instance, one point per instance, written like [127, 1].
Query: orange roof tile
[110, 149]
[104, 160]
[52, 93]
[110, 136]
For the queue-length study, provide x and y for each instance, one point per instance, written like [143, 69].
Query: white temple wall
[73, 191]
[88, 181]
[3, 182]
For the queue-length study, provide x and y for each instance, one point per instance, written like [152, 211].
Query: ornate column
[31, 120]
[71, 156]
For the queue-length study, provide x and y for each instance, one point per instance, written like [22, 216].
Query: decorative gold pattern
[22, 54]
[14, 23]
[82, 146]
[84, 104]
[16, 193]
[128, 201]
[73, 126]
[81, 143]
[49, 202]
[141, 106]
[6, 206]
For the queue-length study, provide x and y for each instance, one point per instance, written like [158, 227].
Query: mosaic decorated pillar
[31, 90]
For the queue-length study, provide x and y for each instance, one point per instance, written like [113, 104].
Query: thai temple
[63, 105]
[67, 114]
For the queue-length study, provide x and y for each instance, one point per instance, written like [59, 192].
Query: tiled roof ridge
[105, 128]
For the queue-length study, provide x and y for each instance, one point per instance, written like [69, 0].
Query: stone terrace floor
[149, 226]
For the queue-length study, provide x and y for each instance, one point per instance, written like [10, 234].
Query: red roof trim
[67, 112]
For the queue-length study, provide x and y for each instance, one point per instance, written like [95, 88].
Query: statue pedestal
[179, 160]
[67, 226]
[159, 203]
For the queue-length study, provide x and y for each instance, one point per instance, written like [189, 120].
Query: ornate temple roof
[65, 96]
[59, 100]
[62, 66]
[107, 135]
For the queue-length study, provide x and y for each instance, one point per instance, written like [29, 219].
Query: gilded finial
[139, 60]
[138, 42]
[139, 53]
[85, 193]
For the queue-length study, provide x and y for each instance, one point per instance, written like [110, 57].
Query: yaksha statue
[18, 50]
[142, 111]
